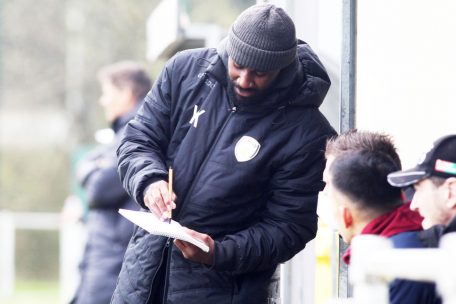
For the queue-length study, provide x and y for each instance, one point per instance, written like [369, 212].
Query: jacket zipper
[158, 268]
[168, 259]
[232, 110]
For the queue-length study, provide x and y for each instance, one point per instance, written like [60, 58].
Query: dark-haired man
[362, 202]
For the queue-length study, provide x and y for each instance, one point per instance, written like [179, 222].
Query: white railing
[375, 263]
[71, 238]
[296, 286]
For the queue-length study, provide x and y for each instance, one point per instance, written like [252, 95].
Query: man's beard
[257, 96]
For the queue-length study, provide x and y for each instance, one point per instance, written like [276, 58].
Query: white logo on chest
[196, 115]
[246, 148]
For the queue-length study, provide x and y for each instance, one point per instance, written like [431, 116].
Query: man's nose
[413, 205]
[245, 80]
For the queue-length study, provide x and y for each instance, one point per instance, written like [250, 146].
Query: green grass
[36, 292]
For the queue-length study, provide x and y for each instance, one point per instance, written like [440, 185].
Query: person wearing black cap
[241, 128]
[434, 181]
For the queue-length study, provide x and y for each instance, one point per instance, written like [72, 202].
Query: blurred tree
[36, 75]
[112, 30]
[33, 54]
[222, 12]
[35, 79]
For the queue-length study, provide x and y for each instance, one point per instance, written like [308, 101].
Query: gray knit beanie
[262, 38]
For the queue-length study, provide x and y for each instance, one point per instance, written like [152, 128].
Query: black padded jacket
[247, 175]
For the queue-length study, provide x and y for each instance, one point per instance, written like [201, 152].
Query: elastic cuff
[226, 255]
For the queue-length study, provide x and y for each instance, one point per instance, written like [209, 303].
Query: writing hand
[193, 253]
[158, 201]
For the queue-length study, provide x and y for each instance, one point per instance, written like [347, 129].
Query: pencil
[170, 189]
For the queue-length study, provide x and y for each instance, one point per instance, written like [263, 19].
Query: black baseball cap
[439, 161]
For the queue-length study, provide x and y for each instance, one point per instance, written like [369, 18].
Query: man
[350, 142]
[362, 202]
[241, 128]
[124, 85]
[354, 140]
[434, 180]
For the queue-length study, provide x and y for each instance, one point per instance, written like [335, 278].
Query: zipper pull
[233, 109]
[168, 242]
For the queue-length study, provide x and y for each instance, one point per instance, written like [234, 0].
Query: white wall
[406, 70]
[319, 23]
[406, 67]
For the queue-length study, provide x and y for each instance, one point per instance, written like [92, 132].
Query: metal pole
[348, 68]
[347, 109]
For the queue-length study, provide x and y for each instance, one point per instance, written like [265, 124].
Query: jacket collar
[401, 219]
[451, 227]
[121, 121]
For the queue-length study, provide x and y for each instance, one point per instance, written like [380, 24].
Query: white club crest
[246, 148]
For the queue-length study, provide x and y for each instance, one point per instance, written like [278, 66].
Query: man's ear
[450, 184]
[347, 217]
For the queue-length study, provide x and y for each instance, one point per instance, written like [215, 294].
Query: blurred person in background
[361, 201]
[124, 85]
[240, 126]
[434, 181]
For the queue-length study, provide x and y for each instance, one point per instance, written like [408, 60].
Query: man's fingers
[158, 200]
[173, 201]
[167, 199]
[181, 245]
[194, 253]
[155, 209]
[152, 206]
[154, 200]
[189, 251]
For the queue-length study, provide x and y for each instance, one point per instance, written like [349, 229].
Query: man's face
[336, 204]
[114, 101]
[248, 84]
[429, 200]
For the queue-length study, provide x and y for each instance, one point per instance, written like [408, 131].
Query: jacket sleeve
[289, 220]
[142, 151]
[104, 190]
[97, 174]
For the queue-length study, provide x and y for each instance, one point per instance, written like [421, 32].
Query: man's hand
[194, 253]
[158, 201]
